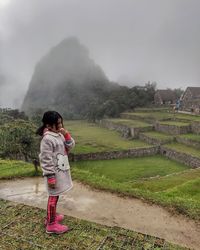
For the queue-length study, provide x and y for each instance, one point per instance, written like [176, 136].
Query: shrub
[18, 140]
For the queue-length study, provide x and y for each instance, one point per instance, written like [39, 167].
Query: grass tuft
[21, 227]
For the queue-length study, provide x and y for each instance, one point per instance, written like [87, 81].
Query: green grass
[158, 135]
[132, 123]
[152, 115]
[153, 109]
[174, 123]
[188, 117]
[185, 197]
[91, 138]
[165, 115]
[130, 170]
[14, 168]
[168, 182]
[184, 149]
[21, 227]
[156, 179]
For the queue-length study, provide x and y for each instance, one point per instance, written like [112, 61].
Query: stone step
[129, 153]
[187, 155]
[126, 127]
[173, 127]
[189, 140]
[156, 138]
[195, 127]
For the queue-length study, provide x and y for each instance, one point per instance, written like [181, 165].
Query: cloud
[140, 39]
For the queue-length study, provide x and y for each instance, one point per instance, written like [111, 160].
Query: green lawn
[21, 227]
[91, 138]
[154, 178]
[14, 168]
[153, 109]
[165, 115]
[188, 117]
[130, 170]
[174, 123]
[151, 115]
[168, 182]
[158, 135]
[131, 123]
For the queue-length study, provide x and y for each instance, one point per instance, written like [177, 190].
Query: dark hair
[50, 118]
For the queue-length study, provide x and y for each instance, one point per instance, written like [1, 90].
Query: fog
[133, 41]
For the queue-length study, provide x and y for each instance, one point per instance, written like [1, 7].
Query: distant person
[54, 147]
[177, 107]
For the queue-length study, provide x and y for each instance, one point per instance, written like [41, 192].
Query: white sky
[132, 40]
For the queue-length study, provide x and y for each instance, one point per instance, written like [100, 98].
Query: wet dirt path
[108, 209]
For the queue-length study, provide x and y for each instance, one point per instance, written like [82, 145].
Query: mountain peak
[66, 67]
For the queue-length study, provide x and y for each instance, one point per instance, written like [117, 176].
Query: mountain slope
[68, 80]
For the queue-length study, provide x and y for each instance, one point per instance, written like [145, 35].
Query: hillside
[68, 80]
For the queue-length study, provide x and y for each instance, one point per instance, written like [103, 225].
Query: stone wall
[191, 161]
[188, 142]
[172, 129]
[134, 132]
[138, 152]
[154, 141]
[195, 127]
[124, 130]
[186, 159]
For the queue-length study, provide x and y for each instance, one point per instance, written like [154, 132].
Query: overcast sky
[133, 41]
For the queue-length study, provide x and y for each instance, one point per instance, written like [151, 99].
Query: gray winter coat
[54, 161]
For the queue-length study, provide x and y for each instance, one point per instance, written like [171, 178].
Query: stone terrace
[162, 130]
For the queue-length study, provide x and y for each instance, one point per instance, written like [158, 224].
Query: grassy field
[165, 115]
[130, 170]
[153, 115]
[92, 138]
[156, 179]
[174, 123]
[14, 168]
[188, 117]
[21, 227]
[152, 109]
[131, 123]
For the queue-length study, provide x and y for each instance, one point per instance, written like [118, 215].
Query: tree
[178, 92]
[19, 141]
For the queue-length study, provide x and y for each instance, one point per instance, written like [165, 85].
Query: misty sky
[134, 41]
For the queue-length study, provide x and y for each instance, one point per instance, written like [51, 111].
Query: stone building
[190, 100]
[164, 96]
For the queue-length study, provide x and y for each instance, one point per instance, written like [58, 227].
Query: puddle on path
[108, 209]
